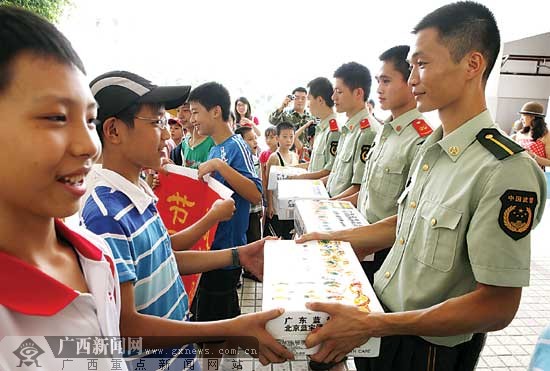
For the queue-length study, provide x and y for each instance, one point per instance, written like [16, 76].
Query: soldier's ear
[359, 93]
[475, 64]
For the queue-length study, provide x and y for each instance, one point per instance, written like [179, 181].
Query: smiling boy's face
[48, 137]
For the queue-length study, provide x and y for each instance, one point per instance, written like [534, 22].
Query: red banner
[183, 200]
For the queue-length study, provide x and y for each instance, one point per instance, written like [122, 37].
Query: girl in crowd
[243, 113]
[534, 135]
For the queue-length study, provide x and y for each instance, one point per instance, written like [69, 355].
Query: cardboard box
[326, 216]
[277, 173]
[289, 191]
[326, 271]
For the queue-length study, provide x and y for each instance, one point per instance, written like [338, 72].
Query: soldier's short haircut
[463, 27]
[321, 87]
[285, 125]
[300, 89]
[355, 76]
[22, 31]
[398, 56]
[210, 95]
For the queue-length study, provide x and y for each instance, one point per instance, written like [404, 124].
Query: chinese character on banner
[183, 200]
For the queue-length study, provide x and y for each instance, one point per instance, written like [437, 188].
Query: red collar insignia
[422, 127]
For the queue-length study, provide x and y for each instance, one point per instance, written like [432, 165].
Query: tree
[49, 9]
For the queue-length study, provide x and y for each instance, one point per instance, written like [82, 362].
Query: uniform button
[387, 274]
[433, 221]
[402, 241]
[413, 205]
[425, 167]
[387, 170]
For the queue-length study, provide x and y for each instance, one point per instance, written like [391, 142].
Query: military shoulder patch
[333, 125]
[517, 212]
[365, 124]
[422, 127]
[333, 148]
[364, 152]
[498, 144]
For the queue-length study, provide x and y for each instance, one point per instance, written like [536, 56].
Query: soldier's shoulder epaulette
[498, 144]
[422, 127]
[365, 124]
[333, 125]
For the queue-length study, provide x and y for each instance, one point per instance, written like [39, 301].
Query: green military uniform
[386, 173]
[464, 218]
[354, 145]
[388, 164]
[294, 118]
[325, 144]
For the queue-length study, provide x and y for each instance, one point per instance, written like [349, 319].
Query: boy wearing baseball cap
[121, 208]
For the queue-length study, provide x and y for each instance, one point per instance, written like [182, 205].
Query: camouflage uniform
[298, 121]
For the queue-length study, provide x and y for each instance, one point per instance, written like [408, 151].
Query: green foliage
[49, 9]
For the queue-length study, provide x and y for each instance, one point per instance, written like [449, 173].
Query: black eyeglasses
[161, 123]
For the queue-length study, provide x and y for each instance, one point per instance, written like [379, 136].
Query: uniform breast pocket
[320, 151]
[347, 156]
[387, 179]
[436, 236]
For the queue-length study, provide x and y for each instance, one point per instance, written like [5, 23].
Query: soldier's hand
[347, 328]
[313, 236]
[223, 210]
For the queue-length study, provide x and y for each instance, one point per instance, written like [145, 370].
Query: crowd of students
[431, 197]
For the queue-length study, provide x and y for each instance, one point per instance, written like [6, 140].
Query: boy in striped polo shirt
[121, 208]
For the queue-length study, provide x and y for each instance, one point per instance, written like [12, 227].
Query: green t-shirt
[194, 156]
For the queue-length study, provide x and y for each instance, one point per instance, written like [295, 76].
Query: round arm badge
[364, 152]
[517, 213]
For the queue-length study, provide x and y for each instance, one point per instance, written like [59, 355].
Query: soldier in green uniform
[351, 90]
[298, 116]
[394, 148]
[327, 133]
[461, 238]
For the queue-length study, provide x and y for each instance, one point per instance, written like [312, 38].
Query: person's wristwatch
[235, 261]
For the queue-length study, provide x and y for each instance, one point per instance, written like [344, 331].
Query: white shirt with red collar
[34, 305]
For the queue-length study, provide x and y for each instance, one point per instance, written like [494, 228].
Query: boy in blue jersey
[121, 208]
[230, 162]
